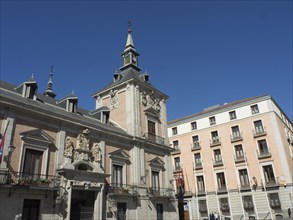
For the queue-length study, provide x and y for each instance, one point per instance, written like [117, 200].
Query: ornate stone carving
[97, 153]
[68, 148]
[149, 100]
[83, 140]
[113, 99]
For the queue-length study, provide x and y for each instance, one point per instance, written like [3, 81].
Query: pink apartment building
[235, 160]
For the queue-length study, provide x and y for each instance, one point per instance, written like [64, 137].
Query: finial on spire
[129, 27]
[49, 91]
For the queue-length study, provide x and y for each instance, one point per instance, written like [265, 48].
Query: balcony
[121, 190]
[245, 187]
[222, 189]
[161, 192]
[215, 142]
[201, 192]
[218, 162]
[177, 168]
[28, 180]
[259, 131]
[197, 165]
[271, 183]
[195, 146]
[261, 154]
[236, 137]
[154, 138]
[239, 158]
[176, 150]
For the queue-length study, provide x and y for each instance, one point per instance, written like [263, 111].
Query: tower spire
[130, 56]
[49, 91]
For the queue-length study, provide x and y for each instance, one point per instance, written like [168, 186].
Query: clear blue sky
[200, 53]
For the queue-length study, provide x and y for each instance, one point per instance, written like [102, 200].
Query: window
[151, 127]
[221, 181]
[263, 147]
[193, 125]
[202, 205]
[177, 163]
[197, 159]
[121, 211]
[243, 176]
[155, 180]
[274, 200]
[215, 137]
[247, 202]
[200, 184]
[174, 130]
[224, 204]
[160, 211]
[235, 132]
[217, 155]
[72, 105]
[232, 115]
[176, 145]
[259, 129]
[117, 175]
[254, 109]
[30, 209]
[195, 141]
[269, 174]
[212, 120]
[239, 151]
[32, 163]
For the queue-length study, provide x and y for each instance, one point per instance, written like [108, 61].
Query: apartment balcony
[115, 189]
[236, 137]
[161, 192]
[176, 150]
[195, 146]
[239, 158]
[217, 163]
[245, 188]
[197, 166]
[177, 168]
[271, 183]
[154, 138]
[222, 189]
[261, 154]
[259, 131]
[19, 179]
[201, 192]
[215, 142]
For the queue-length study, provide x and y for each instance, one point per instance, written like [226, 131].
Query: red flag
[2, 142]
[2, 145]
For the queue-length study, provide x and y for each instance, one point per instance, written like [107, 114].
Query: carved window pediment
[156, 164]
[37, 135]
[119, 155]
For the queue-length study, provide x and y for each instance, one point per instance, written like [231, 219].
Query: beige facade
[64, 162]
[235, 160]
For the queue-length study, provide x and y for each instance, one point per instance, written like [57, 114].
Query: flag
[2, 146]
[2, 143]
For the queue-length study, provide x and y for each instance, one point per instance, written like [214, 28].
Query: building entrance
[82, 205]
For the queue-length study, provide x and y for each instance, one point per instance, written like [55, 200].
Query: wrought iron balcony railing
[195, 146]
[197, 165]
[236, 137]
[121, 189]
[263, 153]
[215, 141]
[259, 131]
[239, 158]
[26, 179]
[161, 192]
[154, 138]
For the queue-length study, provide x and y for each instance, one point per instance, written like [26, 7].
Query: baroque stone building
[235, 160]
[60, 161]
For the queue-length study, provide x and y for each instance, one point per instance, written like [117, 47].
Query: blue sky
[200, 53]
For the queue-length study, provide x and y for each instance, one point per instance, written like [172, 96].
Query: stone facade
[64, 162]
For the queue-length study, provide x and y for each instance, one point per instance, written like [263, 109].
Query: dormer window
[29, 90]
[71, 105]
[105, 116]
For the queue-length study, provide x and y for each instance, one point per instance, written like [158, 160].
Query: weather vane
[129, 27]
